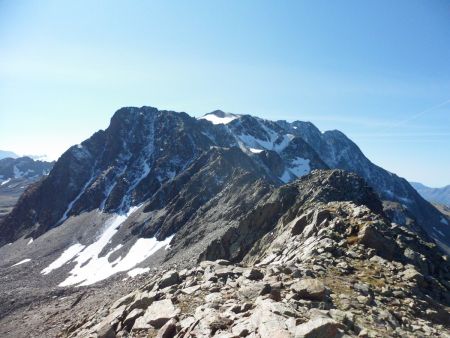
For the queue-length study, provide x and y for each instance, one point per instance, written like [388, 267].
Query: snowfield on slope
[91, 268]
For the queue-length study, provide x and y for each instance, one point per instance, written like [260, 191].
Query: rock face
[316, 271]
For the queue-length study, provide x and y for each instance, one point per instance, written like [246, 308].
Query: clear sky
[377, 70]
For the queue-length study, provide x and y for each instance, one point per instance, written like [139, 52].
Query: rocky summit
[165, 225]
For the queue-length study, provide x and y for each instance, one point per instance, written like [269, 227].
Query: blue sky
[377, 70]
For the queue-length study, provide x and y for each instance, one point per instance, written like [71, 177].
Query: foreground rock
[319, 273]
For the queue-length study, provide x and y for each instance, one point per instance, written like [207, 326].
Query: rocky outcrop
[329, 265]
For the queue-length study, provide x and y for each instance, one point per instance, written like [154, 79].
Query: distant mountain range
[434, 195]
[6, 154]
[16, 174]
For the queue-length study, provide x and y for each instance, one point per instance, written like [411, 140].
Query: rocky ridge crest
[331, 265]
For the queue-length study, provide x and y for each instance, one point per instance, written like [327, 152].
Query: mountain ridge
[109, 170]
[434, 195]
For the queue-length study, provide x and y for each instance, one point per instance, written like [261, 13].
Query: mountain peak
[219, 117]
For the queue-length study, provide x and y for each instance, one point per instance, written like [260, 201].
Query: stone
[222, 262]
[269, 324]
[223, 272]
[168, 279]
[214, 297]
[168, 330]
[253, 274]
[131, 318]
[190, 290]
[219, 323]
[125, 300]
[142, 300]
[159, 313]
[106, 331]
[254, 290]
[319, 327]
[309, 288]
[412, 275]
[113, 317]
[372, 238]
[362, 288]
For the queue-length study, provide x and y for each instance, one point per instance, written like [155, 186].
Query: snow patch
[286, 177]
[65, 257]
[30, 241]
[17, 172]
[443, 220]
[137, 271]
[255, 151]
[5, 182]
[298, 168]
[274, 143]
[214, 119]
[91, 268]
[26, 260]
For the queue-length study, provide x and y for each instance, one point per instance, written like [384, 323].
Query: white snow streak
[70, 206]
[22, 262]
[255, 151]
[5, 182]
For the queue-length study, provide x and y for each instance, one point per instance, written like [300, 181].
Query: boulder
[168, 330]
[190, 290]
[319, 327]
[142, 300]
[106, 331]
[168, 279]
[131, 318]
[309, 288]
[412, 275]
[372, 238]
[159, 313]
[253, 274]
[269, 324]
[251, 291]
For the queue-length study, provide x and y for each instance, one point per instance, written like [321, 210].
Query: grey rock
[131, 318]
[253, 274]
[312, 289]
[319, 327]
[159, 313]
[168, 330]
[169, 278]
